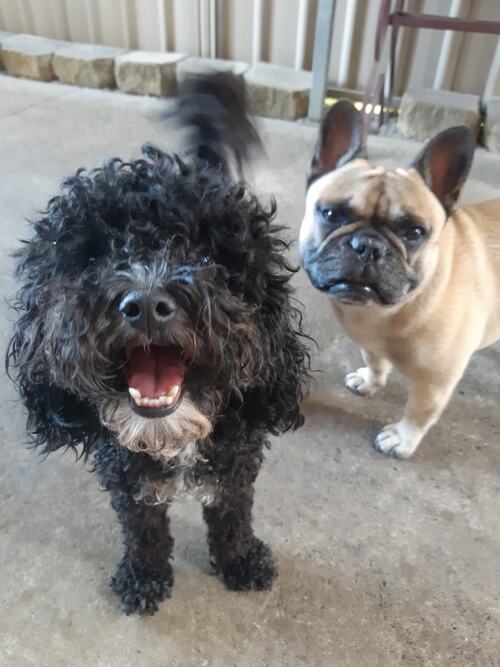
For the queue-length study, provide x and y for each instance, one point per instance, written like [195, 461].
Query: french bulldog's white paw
[399, 440]
[360, 382]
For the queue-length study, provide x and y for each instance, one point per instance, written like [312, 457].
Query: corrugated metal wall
[272, 30]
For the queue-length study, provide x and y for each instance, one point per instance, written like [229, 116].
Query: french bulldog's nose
[147, 310]
[367, 247]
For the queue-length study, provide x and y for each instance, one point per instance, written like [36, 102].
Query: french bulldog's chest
[380, 333]
[368, 326]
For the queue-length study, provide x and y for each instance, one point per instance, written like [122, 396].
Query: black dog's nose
[367, 247]
[147, 310]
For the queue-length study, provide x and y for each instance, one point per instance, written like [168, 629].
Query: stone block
[88, 65]
[147, 73]
[3, 37]
[492, 125]
[29, 56]
[278, 92]
[194, 66]
[425, 112]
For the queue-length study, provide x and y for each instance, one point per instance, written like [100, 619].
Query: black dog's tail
[215, 108]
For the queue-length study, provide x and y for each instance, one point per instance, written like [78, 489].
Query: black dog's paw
[254, 572]
[141, 589]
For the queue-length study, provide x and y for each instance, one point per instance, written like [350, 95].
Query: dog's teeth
[156, 402]
[135, 393]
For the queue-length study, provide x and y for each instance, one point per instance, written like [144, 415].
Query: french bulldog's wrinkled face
[370, 235]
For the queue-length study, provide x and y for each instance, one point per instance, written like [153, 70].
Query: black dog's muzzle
[148, 311]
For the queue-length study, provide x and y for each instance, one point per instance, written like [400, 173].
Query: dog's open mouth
[155, 377]
[353, 292]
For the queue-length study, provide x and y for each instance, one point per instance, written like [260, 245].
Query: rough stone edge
[168, 79]
[211, 64]
[491, 127]
[64, 60]
[472, 118]
[273, 101]
[3, 35]
[42, 63]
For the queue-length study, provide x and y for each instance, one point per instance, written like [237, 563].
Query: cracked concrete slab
[19, 94]
[382, 563]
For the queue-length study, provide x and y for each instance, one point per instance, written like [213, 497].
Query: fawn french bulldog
[413, 278]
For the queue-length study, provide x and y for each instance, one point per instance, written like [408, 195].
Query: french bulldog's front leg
[427, 399]
[368, 380]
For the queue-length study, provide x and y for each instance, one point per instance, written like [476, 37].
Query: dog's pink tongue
[155, 371]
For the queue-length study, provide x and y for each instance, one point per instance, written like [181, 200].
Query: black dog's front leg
[144, 577]
[244, 561]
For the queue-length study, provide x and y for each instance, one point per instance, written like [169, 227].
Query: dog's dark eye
[328, 214]
[413, 233]
[335, 215]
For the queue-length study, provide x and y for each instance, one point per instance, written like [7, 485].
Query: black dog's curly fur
[187, 226]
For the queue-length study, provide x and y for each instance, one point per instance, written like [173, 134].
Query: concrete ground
[382, 562]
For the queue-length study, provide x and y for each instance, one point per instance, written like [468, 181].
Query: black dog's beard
[165, 437]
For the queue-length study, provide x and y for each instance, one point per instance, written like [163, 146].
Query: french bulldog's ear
[340, 139]
[445, 162]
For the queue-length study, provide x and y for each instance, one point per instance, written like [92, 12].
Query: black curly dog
[156, 332]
